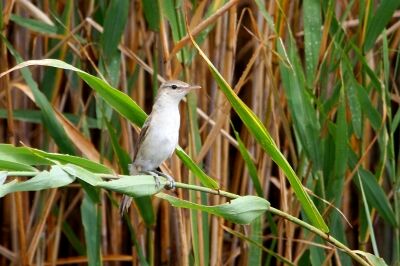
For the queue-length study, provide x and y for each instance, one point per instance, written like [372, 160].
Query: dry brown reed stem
[83, 259]
[21, 229]
[225, 110]
[56, 235]
[5, 81]
[38, 229]
[200, 27]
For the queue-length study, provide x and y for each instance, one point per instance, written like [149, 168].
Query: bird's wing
[142, 135]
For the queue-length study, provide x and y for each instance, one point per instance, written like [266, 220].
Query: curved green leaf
[372, 259]
[379, 20]
[91, 220]
[312, 37]
[22, 155]
[261, 134]
[376, 196]
[65, 159]
[251, 167]
[196, 170]
[114, 25]
[30, 156]
[242, 210]
[34, 24]
[15, 166]
[151, 10]
[137, 186]
[54, 178]
[122, 103]
[83, 174]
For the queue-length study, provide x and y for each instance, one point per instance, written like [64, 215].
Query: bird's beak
[194, 87]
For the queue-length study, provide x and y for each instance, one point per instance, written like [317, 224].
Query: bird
[159, 135]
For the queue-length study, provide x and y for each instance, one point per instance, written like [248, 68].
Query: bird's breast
[161, 139]
[167, 124]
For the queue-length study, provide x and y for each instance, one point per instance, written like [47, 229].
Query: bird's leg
[155, 175]
[171, 182]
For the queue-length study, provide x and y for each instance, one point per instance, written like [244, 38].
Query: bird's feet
[170, 181]
[155, 176]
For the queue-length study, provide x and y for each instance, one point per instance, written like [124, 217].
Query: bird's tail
[126, 200]
[125, 204]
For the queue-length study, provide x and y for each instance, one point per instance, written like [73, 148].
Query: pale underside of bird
[160, 133]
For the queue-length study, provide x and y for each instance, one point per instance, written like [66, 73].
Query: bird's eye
[174, 87]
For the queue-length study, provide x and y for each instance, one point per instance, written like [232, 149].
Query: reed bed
[314, 81]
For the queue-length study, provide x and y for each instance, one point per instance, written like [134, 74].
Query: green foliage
[114, 24]
[56, 177]
[123, 104]
[242, 210]
[261, 134]
[319, 97]
[250, 165]
[378, 21]
[30, 157]
[34, 25]
[376, 196]
[151, 11]
[91, 220]
[312, 37]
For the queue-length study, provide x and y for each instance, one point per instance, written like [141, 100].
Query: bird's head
[176, 89]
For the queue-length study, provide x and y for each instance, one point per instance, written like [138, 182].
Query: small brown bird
[160, 133]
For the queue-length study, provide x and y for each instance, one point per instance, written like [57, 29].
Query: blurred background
[323, 77]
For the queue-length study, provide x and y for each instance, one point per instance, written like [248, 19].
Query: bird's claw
[156, 178]
[170, 181]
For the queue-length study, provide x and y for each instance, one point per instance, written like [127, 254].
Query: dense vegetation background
[322, 76]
